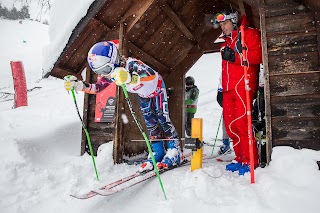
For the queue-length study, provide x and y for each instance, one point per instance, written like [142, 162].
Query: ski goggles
[220, 17]
[105, 69]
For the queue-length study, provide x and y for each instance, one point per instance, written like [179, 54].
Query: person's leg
[229, 117]
[225, 140]
[150, 118]
[242, 125]
[172, 156]
[189, 117]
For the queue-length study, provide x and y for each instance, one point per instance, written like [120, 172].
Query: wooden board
[295, 23]
[296, 106]
[295, 84]
[296, 132]
[293, 63]
[283, 44]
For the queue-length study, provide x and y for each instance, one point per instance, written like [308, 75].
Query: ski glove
[219, 98]
[71, 83]
[121, 76]
[135, 78]
[228, 54]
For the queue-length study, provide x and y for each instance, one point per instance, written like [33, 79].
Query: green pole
[215, 140]
[145, 138]
[87, 133]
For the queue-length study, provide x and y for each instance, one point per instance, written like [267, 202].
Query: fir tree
[25, 12]
[14, 14]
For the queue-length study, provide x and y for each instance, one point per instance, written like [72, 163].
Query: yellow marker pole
[196, 132]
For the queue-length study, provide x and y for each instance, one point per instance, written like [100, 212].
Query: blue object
[233, 167]
[226, 142]
[244, 169]
[173, 144]
[172, 157]
[158, 151]
[226, 146]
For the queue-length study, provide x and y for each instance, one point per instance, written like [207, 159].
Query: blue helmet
[103, 57]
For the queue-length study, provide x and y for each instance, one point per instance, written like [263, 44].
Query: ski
[142, 178]
[106, 187]
[113, 187]
[110, 188]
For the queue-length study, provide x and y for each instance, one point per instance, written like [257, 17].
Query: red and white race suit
[234, 94]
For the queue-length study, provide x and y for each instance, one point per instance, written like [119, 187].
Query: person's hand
[219, 98]
[228, 54]
[135, 78]
[71, 83]
[121, 76]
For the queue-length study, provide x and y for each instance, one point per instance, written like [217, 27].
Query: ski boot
[172, 158]
[225, 148]
[233, 166]
[158, 153]
[244, 169]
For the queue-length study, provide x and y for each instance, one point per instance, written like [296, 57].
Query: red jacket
[232, 72]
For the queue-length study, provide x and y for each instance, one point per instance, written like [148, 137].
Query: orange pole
[248, 102]
[20, 84]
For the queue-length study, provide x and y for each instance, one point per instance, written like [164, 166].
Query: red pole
[20, 85]
[248, 102]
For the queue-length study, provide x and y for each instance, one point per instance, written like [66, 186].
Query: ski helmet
[103, 57]
[189, 81]
[227, 14]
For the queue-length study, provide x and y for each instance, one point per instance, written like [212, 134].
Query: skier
[225, 148]
[233, 84]
[191, 100]
[139, 78]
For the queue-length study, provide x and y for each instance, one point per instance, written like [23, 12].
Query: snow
[60, 30]
[40, 144]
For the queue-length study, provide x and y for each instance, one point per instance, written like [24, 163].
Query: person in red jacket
[233, 84]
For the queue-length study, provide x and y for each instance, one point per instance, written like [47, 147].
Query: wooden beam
[123, 46]
[138, 9]
[175, 19]
[196, 52]
[85, 112]
[207, 45]
[203, 47]
[146, 57]
[215, 47]
[317, 20]
[118, 147]
[241, 6]
[61, 72]
[252, 3]
[266, 79]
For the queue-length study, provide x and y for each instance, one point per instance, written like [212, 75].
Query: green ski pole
[145, 138]
[214, 144]
[85, 130]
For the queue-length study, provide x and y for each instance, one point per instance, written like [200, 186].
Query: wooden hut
[171, 35]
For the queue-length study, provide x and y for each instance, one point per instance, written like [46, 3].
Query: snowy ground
[40, 163]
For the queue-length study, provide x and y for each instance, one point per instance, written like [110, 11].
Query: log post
[20, 84]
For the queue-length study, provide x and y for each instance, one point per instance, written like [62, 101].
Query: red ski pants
[235, 118]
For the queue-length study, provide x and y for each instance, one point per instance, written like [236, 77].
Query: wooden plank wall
[293, 73]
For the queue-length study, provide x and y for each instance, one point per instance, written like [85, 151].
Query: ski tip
[84, 196]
